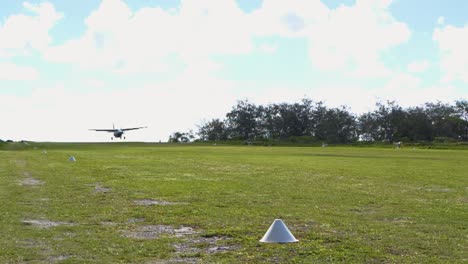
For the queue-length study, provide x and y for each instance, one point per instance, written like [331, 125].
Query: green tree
[213, 130]
[242, 120]
[461, 108]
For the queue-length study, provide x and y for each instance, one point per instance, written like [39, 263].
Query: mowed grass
[344, 204]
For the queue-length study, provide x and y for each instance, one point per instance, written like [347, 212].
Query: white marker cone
[72, 159]
[278, 233]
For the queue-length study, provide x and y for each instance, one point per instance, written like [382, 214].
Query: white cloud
[349, 38]
[405, 89]
[268, 48]
[453, 43]
[358, 98]
[126, 41]
[95, 83]
[21, 33]
[409, 90]
[441, 20]
[418, 66]
[355, 36]
[287, 18]
[13, 72]
[346, 38]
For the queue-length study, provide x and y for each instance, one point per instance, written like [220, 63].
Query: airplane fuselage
[118, 133]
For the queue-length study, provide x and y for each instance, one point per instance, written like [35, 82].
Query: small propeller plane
[118, 132]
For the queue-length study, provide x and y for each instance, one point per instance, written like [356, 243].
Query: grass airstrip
[157, 203]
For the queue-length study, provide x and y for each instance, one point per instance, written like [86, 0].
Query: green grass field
[344, 204]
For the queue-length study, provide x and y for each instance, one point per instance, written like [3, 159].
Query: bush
[444, 140]
[303, 139]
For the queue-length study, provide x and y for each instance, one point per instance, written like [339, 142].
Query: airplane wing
[105, 130]
[133, 128]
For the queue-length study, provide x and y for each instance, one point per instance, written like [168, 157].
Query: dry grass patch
[149, 202]
[44, 224]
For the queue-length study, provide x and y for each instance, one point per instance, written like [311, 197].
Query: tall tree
[242, 120]
[389, 117]
[417, 125]
[213, 130]
[462, 112]
[337, 126]
[441, 115]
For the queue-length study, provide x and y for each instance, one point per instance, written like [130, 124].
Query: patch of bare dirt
[399, 220]
[135, 220]
[149, 202]
[149, 232]
[185, 248]
[108, 223]
[462, 200]
[209, 245]
[213, 240]
[31, 182]
[363, 211]
[219, 249]
[98, 188]
[176, 260]
[184, 231]
[437, 189]
[155, 231]
[55, 259]
[43, 224]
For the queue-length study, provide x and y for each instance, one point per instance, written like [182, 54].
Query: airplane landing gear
[124, 138]
[112, 138]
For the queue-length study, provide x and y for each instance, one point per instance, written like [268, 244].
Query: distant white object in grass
[278, 233]
[44, 152]
[72, 159]
[324, 145]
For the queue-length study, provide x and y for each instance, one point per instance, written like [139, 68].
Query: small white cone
[72, 159]
[278, 233]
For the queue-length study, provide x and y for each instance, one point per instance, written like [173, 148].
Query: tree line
[309, 121]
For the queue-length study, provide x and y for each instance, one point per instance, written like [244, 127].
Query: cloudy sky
[66, 66]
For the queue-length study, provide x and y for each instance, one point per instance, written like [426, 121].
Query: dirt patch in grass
[155, 231]
[44, 224]
[98, 188]
[436, 189]
[220, 249]
[56, 259]
[209, 245]
[31, 182]
[363, 211]
[108, 223]
[176, 260]
[397, 251]
[399, 220]
[184, 231]
[149, 202]
[462, 200]
[185, 248]
[194, 246]
[135, 220]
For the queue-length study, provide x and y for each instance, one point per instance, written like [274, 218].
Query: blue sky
[66, 66]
